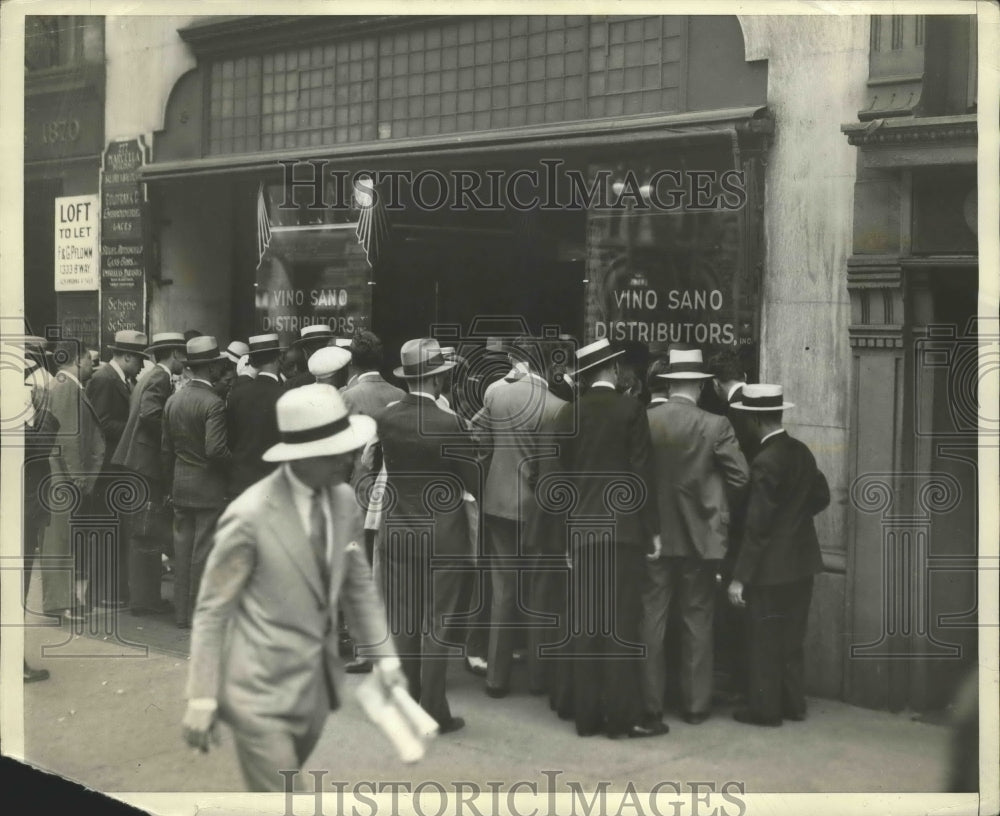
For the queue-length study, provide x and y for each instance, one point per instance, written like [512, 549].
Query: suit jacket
[193, 445]
[139, 446]
[252, 422]
[425, 482]
[241, 381]
[699, 467]
[748, 442]
[110, 396]
[611, 437]
[545, 524]
[786, 491]
[511, 419]
[296, 380]
[370, 395]
[263, 640]
[79, 449]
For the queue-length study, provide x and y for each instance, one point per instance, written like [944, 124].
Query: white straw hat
[762, 397]
[313, 421]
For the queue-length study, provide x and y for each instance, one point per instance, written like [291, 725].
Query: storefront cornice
[913, 141]
[256, 33]
[693, 126]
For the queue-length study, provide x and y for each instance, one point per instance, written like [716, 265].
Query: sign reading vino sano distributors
[76, 255]
[123, 240]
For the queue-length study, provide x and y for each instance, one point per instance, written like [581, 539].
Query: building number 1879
[60, 130]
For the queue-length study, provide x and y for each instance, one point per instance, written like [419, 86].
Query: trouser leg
[799, 597]
[403, 591]
[262, 755]
[622, 672]
[436, 645]
[204, 538]
[657, 591]
[183, 551]
[501, 536]
[765, 632]
[697, 599]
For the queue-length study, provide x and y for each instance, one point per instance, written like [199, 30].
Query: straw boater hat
[342, 342]
[203, 349]
[422, 358]
[166, 340]
[316, 333]
[313, 421]
[595, 353]
[685, 364]
[235, 350]
[129, 342]
[762, 397]
[328, 360]
[263, 342]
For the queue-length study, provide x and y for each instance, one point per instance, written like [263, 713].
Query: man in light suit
[699, 468]
[76, 461]
[264, 648]
[431, 473]
[511, 419]
[779, 556]
[139, 451]
[109, 391]
[196, 460]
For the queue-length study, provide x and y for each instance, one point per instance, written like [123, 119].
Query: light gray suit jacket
[263, 643]
[699, 468]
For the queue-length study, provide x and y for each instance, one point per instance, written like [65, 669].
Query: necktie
[317, 536]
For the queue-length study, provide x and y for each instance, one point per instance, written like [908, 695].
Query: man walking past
[287, 551]
[251, 418]
[699, 468]
[138, 451]
[196, 460]
[608, 461]
[426, 523]
[779, 556]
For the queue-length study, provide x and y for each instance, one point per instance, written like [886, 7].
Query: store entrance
[438, 281]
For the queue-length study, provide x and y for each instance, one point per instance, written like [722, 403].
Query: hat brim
[251, 354]
[599, 362]
[739, 406]
[361, 431]
[686, 375]
[447, 366]
[122, 350]
[322, 338]
[203, 360]
[180, 344]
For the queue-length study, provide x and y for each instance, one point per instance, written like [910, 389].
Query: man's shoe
[358, 666]
[34, 675]
[476, 666]
[497, 691]
[454, 724]
[695, 717]
[648, 729]
[72, 615]
[745, 715]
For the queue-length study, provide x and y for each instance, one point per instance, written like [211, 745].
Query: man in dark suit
[76, 461]
[607, 458]
[196, 461]
[250, 415]
[699, 470]
[779, 556]
[287, 551]
[109, 391]
[431, 474]
[139, 452]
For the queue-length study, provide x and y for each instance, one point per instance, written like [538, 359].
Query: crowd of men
[522, 500]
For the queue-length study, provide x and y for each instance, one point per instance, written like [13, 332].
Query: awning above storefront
[732, 124]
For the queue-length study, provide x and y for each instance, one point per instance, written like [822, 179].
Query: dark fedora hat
[422, 358]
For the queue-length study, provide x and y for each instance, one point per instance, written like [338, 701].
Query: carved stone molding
[875, 285]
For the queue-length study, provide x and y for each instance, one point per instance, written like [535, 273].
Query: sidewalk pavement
[111, 721]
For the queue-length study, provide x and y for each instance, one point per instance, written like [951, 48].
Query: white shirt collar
[371, 375]
[199, 379]
[773, 433]
[165, 367]
[114, 364]
[302, 496]
[658, 399]
[732, 390]
[270, 374]
[424, 394]
[684, 397]
[602, 384]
